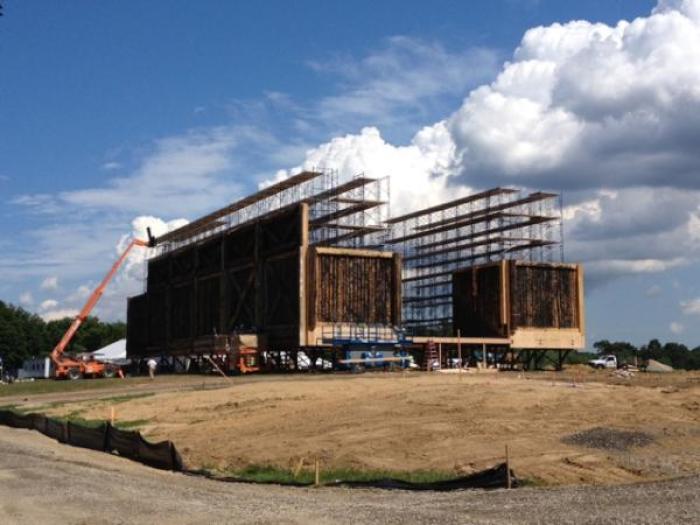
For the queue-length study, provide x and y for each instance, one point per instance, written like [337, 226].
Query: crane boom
[61, 363]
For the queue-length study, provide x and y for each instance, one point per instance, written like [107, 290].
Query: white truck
[606, 361]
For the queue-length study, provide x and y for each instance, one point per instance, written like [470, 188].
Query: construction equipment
[66, 367]
[244, 352]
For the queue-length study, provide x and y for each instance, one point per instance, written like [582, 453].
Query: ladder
[431, 357]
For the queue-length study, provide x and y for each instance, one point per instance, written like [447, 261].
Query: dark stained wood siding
[246, 279]
[349, 288]
[533, 295]
[477, 294]
[543, 296]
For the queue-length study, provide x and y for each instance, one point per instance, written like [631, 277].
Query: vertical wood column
[303, 277]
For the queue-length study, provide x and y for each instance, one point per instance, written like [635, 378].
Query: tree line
[674, 354]
[24, 335]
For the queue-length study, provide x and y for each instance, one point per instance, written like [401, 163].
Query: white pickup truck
[606, 361]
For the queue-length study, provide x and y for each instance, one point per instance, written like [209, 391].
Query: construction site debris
[656, 366]
[609, 439]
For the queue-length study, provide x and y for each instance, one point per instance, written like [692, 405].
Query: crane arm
[91, 302]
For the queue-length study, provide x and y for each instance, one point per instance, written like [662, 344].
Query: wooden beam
[304, 284]
[352, 252]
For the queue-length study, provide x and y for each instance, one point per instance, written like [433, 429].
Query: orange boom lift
[71, 368]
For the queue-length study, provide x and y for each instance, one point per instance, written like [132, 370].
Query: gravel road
[42, 481]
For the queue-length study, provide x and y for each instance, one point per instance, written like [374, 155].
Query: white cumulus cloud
[49, 283]
[48, 304]
[676, 328]
[691, 307]
[26, 299]
[418, 171]
[608, 114]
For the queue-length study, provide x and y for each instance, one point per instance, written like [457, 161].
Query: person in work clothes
[152, 365]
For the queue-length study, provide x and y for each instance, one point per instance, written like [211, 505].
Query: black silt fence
[104, 438]
[164, 455]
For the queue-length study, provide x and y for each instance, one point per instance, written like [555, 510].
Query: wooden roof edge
[462, 200]
[184, 231]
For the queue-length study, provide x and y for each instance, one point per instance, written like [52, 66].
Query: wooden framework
[261, 277]
[533, 305]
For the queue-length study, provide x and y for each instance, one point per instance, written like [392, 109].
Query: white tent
[113, 352]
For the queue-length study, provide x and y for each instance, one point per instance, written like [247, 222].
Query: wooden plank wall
[494, 300]
[477, 294]
[136, 325]
[245, 279]
[255, 278]
[543, 296]
[350, 286]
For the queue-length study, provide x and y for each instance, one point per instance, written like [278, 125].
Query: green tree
[624, 352]
[24, 335]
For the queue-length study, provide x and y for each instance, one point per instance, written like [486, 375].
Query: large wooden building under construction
[266, 276]
[313, 263]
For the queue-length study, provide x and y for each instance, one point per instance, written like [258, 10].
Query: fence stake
[111, 415]
[508, 480]
[298, 467]
[317, 473]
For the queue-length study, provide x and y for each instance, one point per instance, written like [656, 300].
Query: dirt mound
[609, 439]
[454, 424]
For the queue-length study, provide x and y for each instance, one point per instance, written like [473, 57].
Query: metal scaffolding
[345, 213]
[497, 224]
[501, 223]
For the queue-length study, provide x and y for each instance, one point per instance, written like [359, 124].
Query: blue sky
[112, 111]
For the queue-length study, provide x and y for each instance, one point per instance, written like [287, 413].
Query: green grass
[50, 386]
[123, 399]
[76, 418]
[271, 474]
[134, 424]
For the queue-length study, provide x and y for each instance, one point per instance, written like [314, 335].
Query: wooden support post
[459, 348]
[111, 416]
[298, 467]
[483, 354]
[508, 480]
[216, 367]
[439, 356]
[317, 472]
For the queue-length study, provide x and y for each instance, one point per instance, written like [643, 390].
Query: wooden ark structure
[315, 264]
[537, 306]
[290, 274]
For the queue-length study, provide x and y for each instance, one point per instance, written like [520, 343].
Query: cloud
[691, 307]
[26, 299]
[608, 114]
[109, 166]
[405, 73]
[185, 174]
[423, 164]
[180, 169]
[676, 328]
[584, 105]
[60, 313]
[49, 283]
[131, 278]
[653, 291]
[48, 304]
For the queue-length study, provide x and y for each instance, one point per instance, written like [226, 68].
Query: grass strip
[49, 386]
[272, 474]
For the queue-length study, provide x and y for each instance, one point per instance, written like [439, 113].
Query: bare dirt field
[43, 481]
[432, 422]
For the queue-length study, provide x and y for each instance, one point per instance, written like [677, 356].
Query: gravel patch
[609, 439]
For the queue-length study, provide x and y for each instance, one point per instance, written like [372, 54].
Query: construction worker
[152, 365]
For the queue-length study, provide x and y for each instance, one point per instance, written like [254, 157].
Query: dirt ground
[43, 481]
[437, 422]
